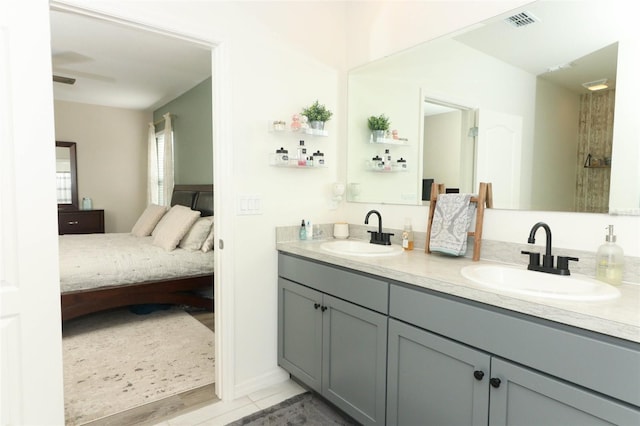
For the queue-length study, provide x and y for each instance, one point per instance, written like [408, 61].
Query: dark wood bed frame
[182, 291]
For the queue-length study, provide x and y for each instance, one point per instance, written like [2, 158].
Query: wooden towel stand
[482, 200]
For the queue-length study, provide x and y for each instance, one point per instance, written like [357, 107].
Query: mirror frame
[74, 176]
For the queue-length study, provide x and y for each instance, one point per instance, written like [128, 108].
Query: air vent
[521, 19]
[65, 80]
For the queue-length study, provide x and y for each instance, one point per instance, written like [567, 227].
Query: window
[63, 184]
[160, 151]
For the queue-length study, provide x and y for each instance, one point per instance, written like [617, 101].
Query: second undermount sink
[530, 283]
[360, 248]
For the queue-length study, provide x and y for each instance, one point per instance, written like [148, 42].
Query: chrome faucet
[547, 259]
[378, 237]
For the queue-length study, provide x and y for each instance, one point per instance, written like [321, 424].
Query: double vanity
[405, 338]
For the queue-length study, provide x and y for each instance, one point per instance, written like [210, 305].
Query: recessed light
[596, 85]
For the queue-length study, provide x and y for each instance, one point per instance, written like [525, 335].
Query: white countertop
[618, 317]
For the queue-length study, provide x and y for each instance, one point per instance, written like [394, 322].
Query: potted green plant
[317, 114]
[378, 126]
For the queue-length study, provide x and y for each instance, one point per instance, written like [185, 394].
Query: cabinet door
[300, 332]
[355, 360]
[435, 381]
[526, 397]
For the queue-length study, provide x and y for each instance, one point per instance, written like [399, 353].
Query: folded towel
[451, 220]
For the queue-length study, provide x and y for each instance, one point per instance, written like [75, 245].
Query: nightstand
[80, 222]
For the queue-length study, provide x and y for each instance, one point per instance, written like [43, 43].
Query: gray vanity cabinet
[434, 381]
[300, 332]
[465, 378]
[397, 354]
[334, 346]
[527, 397]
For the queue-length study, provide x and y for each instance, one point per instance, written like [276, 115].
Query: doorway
[215, 57]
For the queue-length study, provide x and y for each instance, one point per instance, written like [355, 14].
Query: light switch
[249, 204]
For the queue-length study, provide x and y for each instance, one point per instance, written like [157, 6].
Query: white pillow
[173, 226]
[148, 220]
[194, 238]
[208, 243]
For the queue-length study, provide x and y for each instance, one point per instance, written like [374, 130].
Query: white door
[498, 156]
[31, 391]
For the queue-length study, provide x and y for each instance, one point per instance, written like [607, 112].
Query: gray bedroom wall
[193, 135]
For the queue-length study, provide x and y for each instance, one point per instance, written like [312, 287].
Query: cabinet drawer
[81, 222]
[359, 289]
[601, 363]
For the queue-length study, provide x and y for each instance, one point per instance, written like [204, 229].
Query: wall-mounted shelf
[296, 166]
[276, 161]
[283, 128]
[389, 141]
[393, 170]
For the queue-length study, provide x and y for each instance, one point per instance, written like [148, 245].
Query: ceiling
[569, 42]
[121, 66]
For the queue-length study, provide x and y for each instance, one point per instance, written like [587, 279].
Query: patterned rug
[117, 360]
[304, 409]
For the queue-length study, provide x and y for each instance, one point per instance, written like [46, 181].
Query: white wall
[442, 139]
[400, 102]
[626, 132]
[111, 150]
[556, 148]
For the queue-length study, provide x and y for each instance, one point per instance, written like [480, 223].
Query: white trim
[223, 194]
[60, 5]
[264, 381]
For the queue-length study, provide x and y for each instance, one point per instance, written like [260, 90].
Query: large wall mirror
[505, 102]
[66, 176]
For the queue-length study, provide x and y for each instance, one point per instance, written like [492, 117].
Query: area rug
[118, 360]
[305, 409]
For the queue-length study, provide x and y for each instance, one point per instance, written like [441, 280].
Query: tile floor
[221, 413]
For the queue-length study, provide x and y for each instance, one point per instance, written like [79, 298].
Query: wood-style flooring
[159, 411]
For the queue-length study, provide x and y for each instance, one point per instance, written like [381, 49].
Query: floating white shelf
[392, 170]
[388, 141]
[292, 163]
[285, 129]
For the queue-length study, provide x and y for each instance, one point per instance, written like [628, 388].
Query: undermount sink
[538, 284]
[360, 248]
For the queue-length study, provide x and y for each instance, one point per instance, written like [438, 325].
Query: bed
[105, 271]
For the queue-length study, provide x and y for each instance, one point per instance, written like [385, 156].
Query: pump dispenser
[610, 260]
[302, 233]
[407, 235]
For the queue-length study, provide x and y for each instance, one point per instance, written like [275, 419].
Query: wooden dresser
[80, 222]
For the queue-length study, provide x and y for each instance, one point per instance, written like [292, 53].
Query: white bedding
[90, 261]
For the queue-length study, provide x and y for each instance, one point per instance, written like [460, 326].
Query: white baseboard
[270, 378]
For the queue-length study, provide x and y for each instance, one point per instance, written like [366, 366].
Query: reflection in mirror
[449, 146]
[555, 122]
[66, 176]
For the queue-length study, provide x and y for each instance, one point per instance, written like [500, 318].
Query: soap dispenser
[302, 233]
[610, 260]
[407, 235]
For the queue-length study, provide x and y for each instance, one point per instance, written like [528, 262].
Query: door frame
[223, 194]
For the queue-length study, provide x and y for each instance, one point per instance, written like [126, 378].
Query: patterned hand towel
[451, 220]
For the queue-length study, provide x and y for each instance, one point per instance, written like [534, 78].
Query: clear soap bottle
[407, 236]
[610, 260]
[302, 234]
